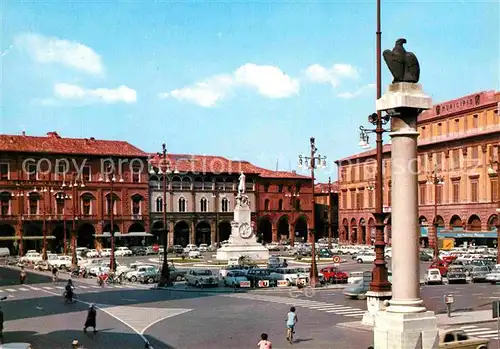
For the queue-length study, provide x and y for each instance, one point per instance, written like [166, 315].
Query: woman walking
[91, 319]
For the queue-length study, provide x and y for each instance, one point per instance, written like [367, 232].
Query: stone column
[275, 233]
[405, 324]
[192, 233]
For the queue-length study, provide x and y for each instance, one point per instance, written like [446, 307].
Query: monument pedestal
[406, 330]
[375, 303]
[242, 241]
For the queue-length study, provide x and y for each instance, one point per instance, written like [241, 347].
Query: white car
[289, 274]
[123, 251]
[137, 269]
[433, 276]
[194, 254]
[32, 257]
[16, 346]
[92, 253]
[366, 257]
[190, 247]
[63, 262]
[494, 276]
[103, 268]
[203, 248]
[106, 252]
[234, 277]
[304, 273]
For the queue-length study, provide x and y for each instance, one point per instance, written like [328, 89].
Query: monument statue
[243, 241]
[402, 64]
[241, 185]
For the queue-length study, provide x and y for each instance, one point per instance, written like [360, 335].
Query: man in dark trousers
[22, 276]
[91, 317]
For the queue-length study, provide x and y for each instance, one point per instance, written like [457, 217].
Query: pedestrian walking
[22, 276]
[54, 274]
[91, 319]
[264, 343]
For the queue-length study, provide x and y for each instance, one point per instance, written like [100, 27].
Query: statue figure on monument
[241, 185]
[403, 65]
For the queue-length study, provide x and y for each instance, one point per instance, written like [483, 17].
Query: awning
[123, 235]
[48, 237]
[467, 234]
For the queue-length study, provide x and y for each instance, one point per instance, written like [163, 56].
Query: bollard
[448, 299]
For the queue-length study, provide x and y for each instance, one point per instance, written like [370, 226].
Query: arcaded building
[457, 144]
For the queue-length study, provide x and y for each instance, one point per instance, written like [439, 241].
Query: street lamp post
[164, 169]
[380, 283]
[64, 197]
[111, 179]
[313, 161]
[435, 180]
[74, 184]
[293, 193]
[494, 168]
[20, 198]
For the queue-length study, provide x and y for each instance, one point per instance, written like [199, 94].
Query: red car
[334, 275]
[449, 259]
[441, 265]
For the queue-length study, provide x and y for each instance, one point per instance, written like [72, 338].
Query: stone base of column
[406, 331]
[375, 303]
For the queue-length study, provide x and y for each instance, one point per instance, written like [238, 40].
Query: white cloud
[354, 94]
[54, 50]
[269, 81]
[318, 73]
[104, 95]
[204, 93]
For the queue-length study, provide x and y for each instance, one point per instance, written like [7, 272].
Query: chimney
[24, 133]
[92, 139]
[53, 134]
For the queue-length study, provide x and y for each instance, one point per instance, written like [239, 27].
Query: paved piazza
[131, 314]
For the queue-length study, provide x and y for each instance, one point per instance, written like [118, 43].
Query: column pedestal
[375, 303]
[406, 330]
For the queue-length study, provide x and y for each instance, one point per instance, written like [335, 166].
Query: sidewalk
[443, 321]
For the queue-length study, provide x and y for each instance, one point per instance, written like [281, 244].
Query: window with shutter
[474, 191]
[456, 191]
[422, 194]
[494, 190]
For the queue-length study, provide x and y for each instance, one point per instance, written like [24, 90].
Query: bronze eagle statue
[402, 64]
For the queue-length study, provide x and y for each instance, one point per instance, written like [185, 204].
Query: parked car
[32, 257]
[478, 274]
[456, 274]
[139, 250]
[148, 275]
[178, 249]
[190, 247]
[234, 278]
[4, 252]
[288, 274]
[334, 276]
[459, 339]
[260, 274]
[106, 252]
[433, 276]
[424, 257]
[62, 262]
[273, 246]
[494, 275]
[134, 269]
[92, 253]
[123, 251]
[201, 278]
[203, 248]
[176, 274]
[194, 254]
[441, 265]
[81, 251]
[324, 253]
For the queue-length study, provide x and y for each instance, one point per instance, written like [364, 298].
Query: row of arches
[361, 231]
[203, 205]
[33, 232]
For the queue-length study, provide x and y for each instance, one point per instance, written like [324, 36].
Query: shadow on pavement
[103, 339]
[10, 277]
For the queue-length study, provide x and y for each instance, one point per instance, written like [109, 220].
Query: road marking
[60, 287]
[39, 308]
[95, 286]
[339, 309]
[476, 294]
[47, 288]
[10, 290]
[33, 288]
[140, 334]
[481, 333]
[467, 327]
[23, 289]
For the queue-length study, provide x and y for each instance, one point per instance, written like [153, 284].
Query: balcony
[137, 217]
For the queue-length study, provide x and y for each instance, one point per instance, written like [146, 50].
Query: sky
[248, 80]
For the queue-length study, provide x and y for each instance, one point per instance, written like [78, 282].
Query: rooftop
[217, 164]
[323, 188]
[53, 143]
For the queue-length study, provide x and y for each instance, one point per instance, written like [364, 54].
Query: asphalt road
[130, 314]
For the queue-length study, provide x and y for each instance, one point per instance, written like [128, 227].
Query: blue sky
[245, 80]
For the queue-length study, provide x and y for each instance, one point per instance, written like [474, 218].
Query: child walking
[264, 343]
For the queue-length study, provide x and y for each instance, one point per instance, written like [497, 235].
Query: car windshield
[456, 270]
[435, 272]
[480, 269]
[203, 272]
[236, 273]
